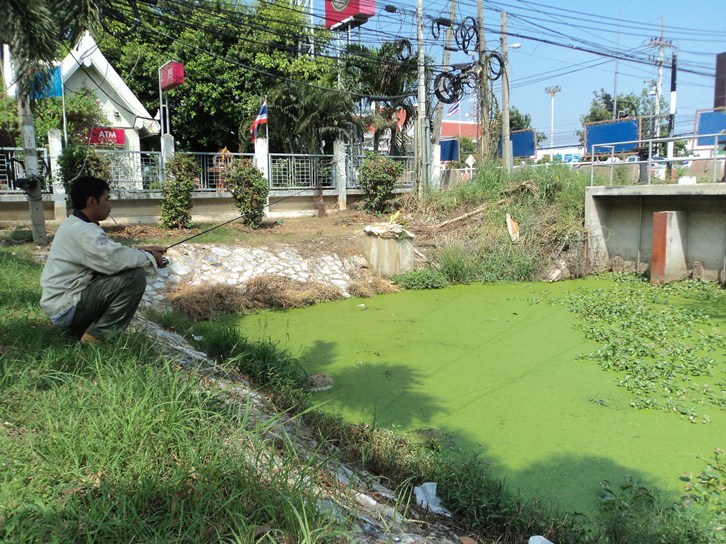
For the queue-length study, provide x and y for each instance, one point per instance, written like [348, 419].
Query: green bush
[249, 189]
[78, 160]
[425, 278]
[181, 172]
[378, 176]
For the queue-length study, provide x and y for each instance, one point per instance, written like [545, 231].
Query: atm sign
[108, 136]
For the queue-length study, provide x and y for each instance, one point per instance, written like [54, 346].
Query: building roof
[87, 56]
[460, 129]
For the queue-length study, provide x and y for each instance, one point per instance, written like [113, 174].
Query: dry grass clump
[372, 285]
[272, 291]
[199, 303]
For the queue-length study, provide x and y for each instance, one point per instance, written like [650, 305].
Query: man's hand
[157, 252]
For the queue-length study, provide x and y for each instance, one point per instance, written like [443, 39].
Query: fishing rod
[165, 261]
[203, 232]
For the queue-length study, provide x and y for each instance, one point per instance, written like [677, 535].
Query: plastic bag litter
[536, 539]
[426, 498]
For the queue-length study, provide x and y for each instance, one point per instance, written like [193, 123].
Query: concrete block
[388, 256]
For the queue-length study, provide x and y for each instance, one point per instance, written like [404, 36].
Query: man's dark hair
[87, 186]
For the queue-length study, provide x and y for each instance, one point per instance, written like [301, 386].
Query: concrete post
[340, 173]
[668, 254]
[598, 257]
[261, 161]
[436, 167]
[55, 147]
[262, 157]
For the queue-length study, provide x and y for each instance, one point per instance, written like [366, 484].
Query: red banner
[108, 136]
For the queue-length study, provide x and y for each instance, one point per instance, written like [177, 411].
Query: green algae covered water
[502, 373]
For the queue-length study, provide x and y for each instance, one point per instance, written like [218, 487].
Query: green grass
[116, 444]
[545, 202]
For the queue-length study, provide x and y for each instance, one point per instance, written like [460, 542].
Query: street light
[552, 92]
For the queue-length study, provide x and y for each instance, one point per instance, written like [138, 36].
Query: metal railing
[211, 166]
[654, 165]
[406, 181]
[301, 171]
[134, 170]
[12, 168]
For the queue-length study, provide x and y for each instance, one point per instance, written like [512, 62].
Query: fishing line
[230, 221]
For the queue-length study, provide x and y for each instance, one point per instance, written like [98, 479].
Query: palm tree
[303, 116]
[388, 78]
[37, 30]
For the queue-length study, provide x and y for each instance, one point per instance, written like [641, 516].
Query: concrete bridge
[628, 230]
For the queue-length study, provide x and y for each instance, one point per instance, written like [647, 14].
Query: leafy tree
[233, 54]
[37, 30]
[82, 113]
[467, 147]
[305, 117]
[9, 129]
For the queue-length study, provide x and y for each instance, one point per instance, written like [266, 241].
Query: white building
[85, 66]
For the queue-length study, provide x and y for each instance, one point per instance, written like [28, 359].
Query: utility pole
[32, 171]
[421, 117]
[672, 112]
[438, 114]
[615, 82]
[661, 44]
[552, 92]
[483, 86]
[506, 143]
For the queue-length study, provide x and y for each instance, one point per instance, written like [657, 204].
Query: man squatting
[91, 284]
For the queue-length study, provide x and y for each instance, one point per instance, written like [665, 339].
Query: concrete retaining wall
[619, 222]
[143, 208]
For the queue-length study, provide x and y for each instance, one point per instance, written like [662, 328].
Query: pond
[500, 370]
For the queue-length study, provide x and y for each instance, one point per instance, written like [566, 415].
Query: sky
[566, 43]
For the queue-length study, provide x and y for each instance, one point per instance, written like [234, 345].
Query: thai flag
[454, 108]
[261, 119]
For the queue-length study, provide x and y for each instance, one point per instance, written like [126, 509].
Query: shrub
[78, 160]
[176, 202]
[249, 189]
[378, 176]
[424, 278]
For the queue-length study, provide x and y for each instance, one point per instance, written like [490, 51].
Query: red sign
[108, 136]
[341, 14]
[171, 75]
